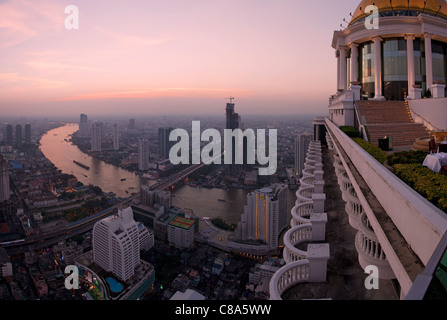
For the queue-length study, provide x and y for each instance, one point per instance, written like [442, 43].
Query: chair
[442, 148]
[432, 146]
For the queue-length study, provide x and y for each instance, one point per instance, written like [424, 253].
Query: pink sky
[176, 56]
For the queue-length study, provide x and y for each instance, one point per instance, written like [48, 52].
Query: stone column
[343, 68]
[338, 71]
[354, 62]
[378, 68]
[428, 60]
[410, 62]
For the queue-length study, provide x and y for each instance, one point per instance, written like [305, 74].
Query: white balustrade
[353, 207]
[293, 237]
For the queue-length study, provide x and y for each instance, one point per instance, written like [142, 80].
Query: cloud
[14, 79]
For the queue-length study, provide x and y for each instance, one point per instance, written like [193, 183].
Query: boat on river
[81, 165]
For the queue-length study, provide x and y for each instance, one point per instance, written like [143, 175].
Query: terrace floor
[345, 277]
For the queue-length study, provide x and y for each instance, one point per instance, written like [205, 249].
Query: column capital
[377, 38]
[428, 35]
[409, 36]
[353, 45]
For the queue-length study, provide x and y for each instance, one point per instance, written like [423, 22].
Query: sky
[168, 56]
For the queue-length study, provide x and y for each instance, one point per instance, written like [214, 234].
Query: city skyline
[176, 58]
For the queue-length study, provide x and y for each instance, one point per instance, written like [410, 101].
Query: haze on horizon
[168, 57]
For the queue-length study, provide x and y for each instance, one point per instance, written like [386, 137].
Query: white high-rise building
[301, 145]
[4, 180]
[83, 126]
[265, 216]
[143, 154]
[116, 137]
[116, 244]
[146, 237]
[95, 137]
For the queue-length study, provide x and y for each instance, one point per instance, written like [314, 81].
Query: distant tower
[116, 244]
[143, 154]
[302, 142]
[27, 133]
[164, 145]
[116, 137]
[95, 137]
[83, 126]
[232, 122]
[19, 137]
[9, 135]
[4, 180]
[265, 216]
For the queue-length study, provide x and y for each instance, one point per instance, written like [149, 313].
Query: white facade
[301, 144]
[181, 237]
[143, 154]
[116, 244]
[5, 264]
[116, 137]
[96, 137]
[4, 180]
[265, 216]
[146, 237]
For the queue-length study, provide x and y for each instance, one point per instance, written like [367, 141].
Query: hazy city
[225, 152]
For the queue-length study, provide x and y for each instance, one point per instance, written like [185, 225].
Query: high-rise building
[164, 145]
[232, 122]
[116, 244]
[83, 126]
[27, 133]
[4, 180]
[116, 137]
[95, 137]
[302, 142]
[9, 135]
[143, 154]
[265, 216]
[19, 137]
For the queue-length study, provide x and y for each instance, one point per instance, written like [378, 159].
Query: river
[203, 201]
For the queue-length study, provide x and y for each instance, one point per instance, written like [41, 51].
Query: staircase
[391, 118]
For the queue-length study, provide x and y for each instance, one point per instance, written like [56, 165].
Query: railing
[353, 207]
[426, 123]
[361, 121]
[304, 194]
[367, 240]
[292, 238]
[301, 213]
[288, 276]
[307, 181]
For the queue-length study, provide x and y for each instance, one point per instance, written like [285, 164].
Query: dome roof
[428, 6]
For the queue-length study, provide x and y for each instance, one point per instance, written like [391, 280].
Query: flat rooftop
[183, 223]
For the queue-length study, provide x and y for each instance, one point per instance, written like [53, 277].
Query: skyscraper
[164, 145]
[265, 216]
[19, 137]
[143, 154]
[232, 122]
[4, 180]
[83, 126]
[95, 137]
[116, 244]
[301, 145]
[9, 135]
[27, 133]
[116, 137]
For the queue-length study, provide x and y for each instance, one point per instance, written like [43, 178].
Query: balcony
[354, 208]
[294, 237]
[370, 251]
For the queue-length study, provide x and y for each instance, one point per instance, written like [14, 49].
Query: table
[435, 161]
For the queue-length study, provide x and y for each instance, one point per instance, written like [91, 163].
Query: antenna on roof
[391, 4]
[423, 9]
[438, 10]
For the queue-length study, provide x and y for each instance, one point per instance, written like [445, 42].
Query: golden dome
[428, 6]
